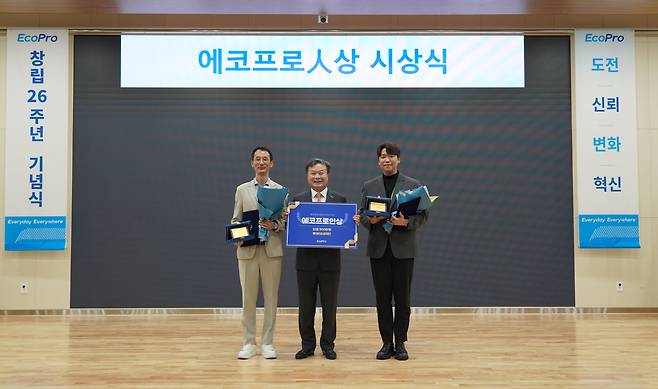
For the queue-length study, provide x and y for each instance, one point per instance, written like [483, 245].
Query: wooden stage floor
[446, 351]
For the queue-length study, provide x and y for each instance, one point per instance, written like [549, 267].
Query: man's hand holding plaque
[377, 208]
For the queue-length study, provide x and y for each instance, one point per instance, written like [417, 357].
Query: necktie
[318, 197]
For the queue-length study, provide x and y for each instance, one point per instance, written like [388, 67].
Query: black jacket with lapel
[402, 239]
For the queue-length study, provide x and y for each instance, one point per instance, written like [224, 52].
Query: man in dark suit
[391, 255]
[318, 267]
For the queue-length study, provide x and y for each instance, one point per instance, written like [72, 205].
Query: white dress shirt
[323, 196]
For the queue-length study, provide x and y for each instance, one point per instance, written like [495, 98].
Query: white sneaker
[248, 351]
[268, 351]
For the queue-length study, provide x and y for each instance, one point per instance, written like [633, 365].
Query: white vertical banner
[606, 126]
[36, 141]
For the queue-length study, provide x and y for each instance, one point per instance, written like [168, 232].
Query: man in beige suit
[263, 258]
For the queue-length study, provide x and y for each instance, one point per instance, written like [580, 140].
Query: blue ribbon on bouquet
[271, 202]
[406, 196]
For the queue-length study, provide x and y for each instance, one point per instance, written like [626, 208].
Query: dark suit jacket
[318, 258]
[403, 239]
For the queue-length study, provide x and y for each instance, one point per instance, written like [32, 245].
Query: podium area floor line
[468, 311]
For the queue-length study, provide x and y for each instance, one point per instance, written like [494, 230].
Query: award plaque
[377, 206]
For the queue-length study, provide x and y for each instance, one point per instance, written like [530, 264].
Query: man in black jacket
[392, 255]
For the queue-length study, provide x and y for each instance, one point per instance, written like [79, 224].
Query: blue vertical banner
[606, 130]
[36, 153]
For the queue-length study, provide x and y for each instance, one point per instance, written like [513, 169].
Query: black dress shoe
[401, 353]
[386, 351]
[304, 353]
[329, 353]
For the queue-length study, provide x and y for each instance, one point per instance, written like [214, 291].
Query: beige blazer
[245, 200]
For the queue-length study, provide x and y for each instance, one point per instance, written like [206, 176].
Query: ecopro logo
[28, 38]
[603, 38]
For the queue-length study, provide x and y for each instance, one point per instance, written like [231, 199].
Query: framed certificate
[245, 231]
[322, 225]
[377, 206]
[238, 232]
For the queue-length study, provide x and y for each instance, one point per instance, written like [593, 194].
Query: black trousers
[392, 279]
[308, 282]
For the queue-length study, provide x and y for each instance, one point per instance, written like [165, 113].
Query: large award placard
[328, 225]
